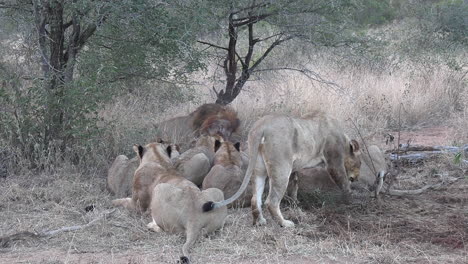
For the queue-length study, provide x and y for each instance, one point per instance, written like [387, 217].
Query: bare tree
[317, 22]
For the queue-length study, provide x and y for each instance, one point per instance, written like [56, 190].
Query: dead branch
[212, 45]
[6, 240]
[407, 147]
[436, 186]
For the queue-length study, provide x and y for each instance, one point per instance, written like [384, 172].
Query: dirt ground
[428, 228]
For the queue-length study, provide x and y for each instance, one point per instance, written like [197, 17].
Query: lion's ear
[139, 150]
[354, 146]
[217, 145]
[169, 150]
[237, 146]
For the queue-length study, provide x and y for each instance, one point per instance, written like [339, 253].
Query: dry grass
[430, 228]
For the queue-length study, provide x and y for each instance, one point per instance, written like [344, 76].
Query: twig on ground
[436, 186]
[6, 240]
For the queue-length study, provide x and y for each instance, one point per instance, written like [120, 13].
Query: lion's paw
[153, 226]
[261, 221]
[287, 223]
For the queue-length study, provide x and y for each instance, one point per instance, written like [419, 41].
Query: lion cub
[227, 173]
[195, 163]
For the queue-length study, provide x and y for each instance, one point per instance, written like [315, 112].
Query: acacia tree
[319, 22]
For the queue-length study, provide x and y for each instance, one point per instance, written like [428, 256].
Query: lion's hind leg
[260, 175]
[279, 178]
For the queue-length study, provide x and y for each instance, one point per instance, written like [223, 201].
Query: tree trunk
[54, 84]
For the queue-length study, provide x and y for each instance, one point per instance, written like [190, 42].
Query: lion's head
[353, 160]
[227, 153]
[159, 151]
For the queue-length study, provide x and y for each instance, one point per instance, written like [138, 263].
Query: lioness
[373, 166]
[226, 173]
[120, 174]
[195, 163]
[373, 169]
[280, 144]
[177, 209]
[175, 201]
[151, 170]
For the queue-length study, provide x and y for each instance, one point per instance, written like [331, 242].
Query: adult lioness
[195, 163]
[152, 169]
[226, 173]
[373, 167]
[175, 201]
[281, 144]
[120, 174]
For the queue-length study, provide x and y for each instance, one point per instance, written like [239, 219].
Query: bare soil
[427, 228]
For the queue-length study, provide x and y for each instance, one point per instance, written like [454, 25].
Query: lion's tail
[254, 144]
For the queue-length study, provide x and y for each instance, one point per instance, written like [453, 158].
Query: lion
[373, 167]
[211, 119]
[174, 201]
[177, 209]
[195, 163]
[120, 174]
[152, 167]
[280, 145]
[227, 174]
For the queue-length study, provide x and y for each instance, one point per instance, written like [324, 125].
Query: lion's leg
[258, 188]
[338, 174]
[294, 182]
[153, 226]
[279, 178]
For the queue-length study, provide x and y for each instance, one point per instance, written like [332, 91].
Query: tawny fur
[227, 174]
[309, 180]
[280, 145]
[154, 161]
[175, 201]
[176, 208]
[195, 163]
[120, 175]
[224, 123]
[211, 119]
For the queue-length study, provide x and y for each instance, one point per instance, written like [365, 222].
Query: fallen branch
[6, 240]
[438, 149]
[436, 186]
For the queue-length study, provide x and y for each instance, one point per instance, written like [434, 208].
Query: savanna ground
[428, 228]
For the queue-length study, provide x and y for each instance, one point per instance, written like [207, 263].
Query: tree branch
[265, 54]
[250, 20]
[212, 45]
[250, 8]
[308, 73]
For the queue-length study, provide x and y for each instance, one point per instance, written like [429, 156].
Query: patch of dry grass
[430, 228]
